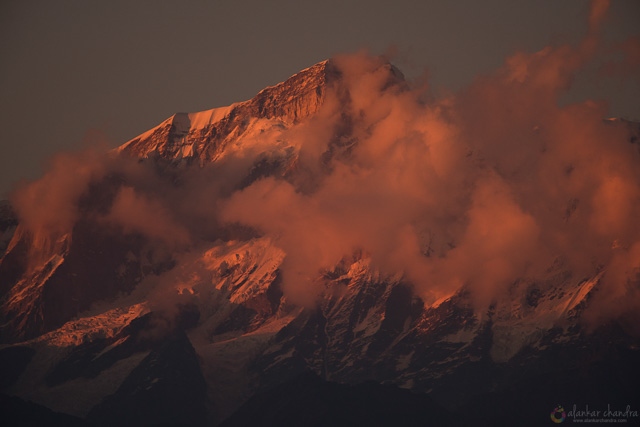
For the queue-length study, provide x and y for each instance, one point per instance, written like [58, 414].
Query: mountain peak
[205, 134]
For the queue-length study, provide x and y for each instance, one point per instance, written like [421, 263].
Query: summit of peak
[316, 74]
[204, 134]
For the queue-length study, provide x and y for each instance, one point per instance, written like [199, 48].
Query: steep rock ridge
[47, 279]
[205, 135]
[368, 327]
[373, 327]
[237, 311]
[31, 262]
[86, 266]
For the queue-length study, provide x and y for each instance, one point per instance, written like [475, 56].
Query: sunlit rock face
[206, 135]
[48, 279]
[104, 323]
[209, 135]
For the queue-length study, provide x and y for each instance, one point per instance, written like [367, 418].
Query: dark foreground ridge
[15, 412]
[307, 400]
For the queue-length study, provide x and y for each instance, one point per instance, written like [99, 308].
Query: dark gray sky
[72, 71]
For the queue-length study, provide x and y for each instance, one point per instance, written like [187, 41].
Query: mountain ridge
[292, 100]
[105, 306]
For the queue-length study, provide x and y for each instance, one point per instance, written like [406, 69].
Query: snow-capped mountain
[210, 135]
[90, 328]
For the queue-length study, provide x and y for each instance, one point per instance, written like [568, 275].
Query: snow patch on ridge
[244, 269]
[205, 118]
[85, 329]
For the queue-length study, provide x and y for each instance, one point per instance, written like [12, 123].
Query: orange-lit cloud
[597, 13]
[48, 207]
[484, 188]
[481, 189]
[140, 214]
[629, 65]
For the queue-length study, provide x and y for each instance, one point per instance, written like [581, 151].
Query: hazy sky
[74, 71]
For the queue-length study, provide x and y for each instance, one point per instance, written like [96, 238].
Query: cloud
[597, 12]
[482, 188]
[629, 65]
[138, 213]
[48, 207]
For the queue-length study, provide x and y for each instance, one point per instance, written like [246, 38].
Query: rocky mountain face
[83, 334]
[206, 135]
